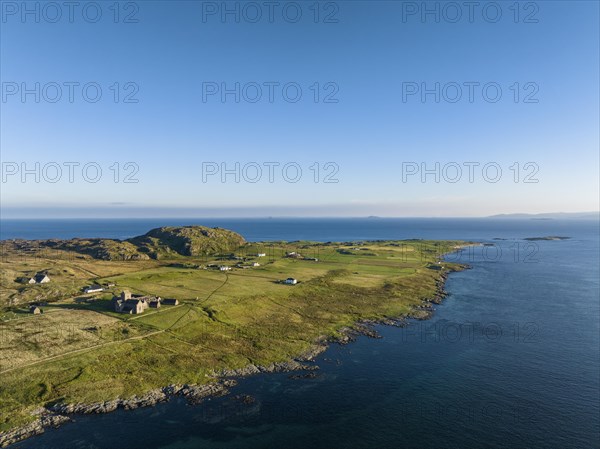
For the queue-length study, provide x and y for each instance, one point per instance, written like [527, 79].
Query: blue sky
[368, 136]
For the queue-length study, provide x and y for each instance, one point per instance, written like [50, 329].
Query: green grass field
[82, 351]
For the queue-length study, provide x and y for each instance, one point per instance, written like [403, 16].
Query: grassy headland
[80, 350]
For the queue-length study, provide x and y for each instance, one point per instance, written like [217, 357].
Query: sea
[511, 358]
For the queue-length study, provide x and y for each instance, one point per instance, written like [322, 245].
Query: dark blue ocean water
[510, 359]
[320, 229]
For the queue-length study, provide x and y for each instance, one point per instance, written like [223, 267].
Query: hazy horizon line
[583, 214]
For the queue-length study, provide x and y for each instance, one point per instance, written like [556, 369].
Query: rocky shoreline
[58, 414]
[45, 419]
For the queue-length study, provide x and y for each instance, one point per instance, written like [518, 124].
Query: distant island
[92, 325]
[552, 215]
[550, 237]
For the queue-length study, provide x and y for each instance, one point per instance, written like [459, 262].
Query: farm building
[94, 288]
[39, 278]
[135, 304]
[126, 303]
[131, 306]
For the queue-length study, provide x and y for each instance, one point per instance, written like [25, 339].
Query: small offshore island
[92, 325]
[546, 238]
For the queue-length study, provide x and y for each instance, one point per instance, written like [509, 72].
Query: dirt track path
[76, 351]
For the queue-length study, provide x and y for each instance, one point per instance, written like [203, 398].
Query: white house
[290, 281]
[224, 268]
[93, 289]
[40, 278]
[261, 255]
[255, 264]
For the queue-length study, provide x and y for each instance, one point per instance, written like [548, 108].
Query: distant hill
[551, 215]
[155, 244]
[188, 241]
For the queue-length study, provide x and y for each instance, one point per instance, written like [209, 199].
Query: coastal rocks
[349, 334]
[344, 338]
[437, 299]
[292, 365]
[245, 399]
[151, 398]
[362, 329]
[313, 352]
[400, 322]
[279, 367]
[248, 370]
[102, 407]
[309, 375]
[45, 420]
[193, 393]
[422, 314]
[425, 310]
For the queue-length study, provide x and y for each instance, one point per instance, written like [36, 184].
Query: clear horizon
[37, 215]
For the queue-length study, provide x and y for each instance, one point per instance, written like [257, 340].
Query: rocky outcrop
[280, 367]
[193, 393]
[309, 375]
[54, 415]
[349, 334]
[245, 399]
[313, 352]
[44, 420]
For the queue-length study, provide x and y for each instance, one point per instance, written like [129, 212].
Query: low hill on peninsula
[155, 244]
[188, 241]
